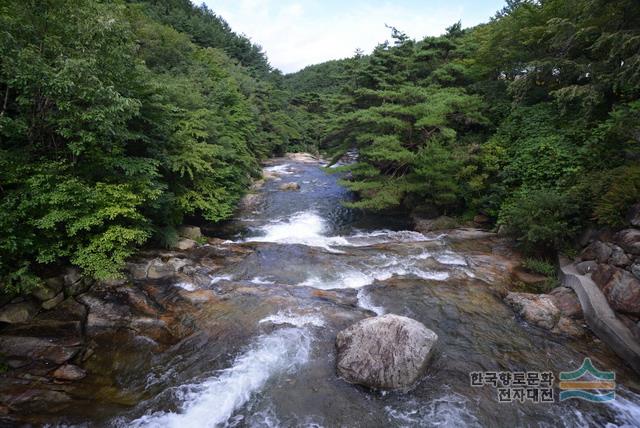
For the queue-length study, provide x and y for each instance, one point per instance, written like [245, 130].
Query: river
[263, 356]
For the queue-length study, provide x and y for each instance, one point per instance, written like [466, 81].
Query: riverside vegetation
[119, 120]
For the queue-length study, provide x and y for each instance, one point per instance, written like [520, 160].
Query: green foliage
[117, 121]
[531, 119]
[541, 220]
[540, 266]
[623, 191]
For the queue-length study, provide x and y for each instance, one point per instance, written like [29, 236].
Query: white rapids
[212, 402]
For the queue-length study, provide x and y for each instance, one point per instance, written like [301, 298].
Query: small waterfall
[212, 402]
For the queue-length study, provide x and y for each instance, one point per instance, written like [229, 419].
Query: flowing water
[314, 267]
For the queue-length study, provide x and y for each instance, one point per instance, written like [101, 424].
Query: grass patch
[540, 266]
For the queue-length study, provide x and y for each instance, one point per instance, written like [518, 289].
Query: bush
[622, 192]
[541, 220]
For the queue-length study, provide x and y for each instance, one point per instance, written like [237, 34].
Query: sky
[297, 33]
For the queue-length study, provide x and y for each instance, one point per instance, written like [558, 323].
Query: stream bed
[259, 349]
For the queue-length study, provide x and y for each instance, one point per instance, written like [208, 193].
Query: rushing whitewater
[210, 403]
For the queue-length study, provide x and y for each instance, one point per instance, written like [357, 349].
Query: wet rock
[585, 268]
[464, 234]
[43, 293]
[126, 309]
[215, 241]
[69, 372]
[567, 302]
[15, 313]
[54, 349]
[602, 274]
[289, 186]
[424, 225]
[191, 232]
[185, 244]
[250, 201]
[635, 270]
[618, 257]
[633, 216]
[623, 292]
[302, 157]
[53, 302]
[386, 352]
[269, 175]
[198, 296]
[631, 323]
[68, 310]
[569, 327]
[113, 282]
[629, 240]
[159, 269]
[137, 271]
[598, 251]
[537, 309]
[78, 287]
[178, 263]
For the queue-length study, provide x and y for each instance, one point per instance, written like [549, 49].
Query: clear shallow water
[275, 366]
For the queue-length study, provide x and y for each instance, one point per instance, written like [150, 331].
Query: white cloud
[297, 33]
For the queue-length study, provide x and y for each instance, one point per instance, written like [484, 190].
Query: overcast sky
[297, 33]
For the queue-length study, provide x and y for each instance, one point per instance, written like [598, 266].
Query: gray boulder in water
[385, 352]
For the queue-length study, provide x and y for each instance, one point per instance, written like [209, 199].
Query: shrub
[541, 220]
[622, 192]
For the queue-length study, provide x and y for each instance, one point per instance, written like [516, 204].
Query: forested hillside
[118, 120]
[532, 119]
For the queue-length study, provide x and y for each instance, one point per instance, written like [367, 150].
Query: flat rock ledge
[385, 352]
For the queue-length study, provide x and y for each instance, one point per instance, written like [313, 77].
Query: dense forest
[532, 119]
[119, 120]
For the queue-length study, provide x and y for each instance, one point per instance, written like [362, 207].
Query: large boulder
[554, 312]
[185, 244]
[598, 251]
[618, 257]
[159, 269]
[385, 352]
[191, 232]
[16, 313]
[53, 302]
[567, 302]
[623, 292]
[289, 186]
[629, 240]
[426, 225]
[537, 309]
[602, 274]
